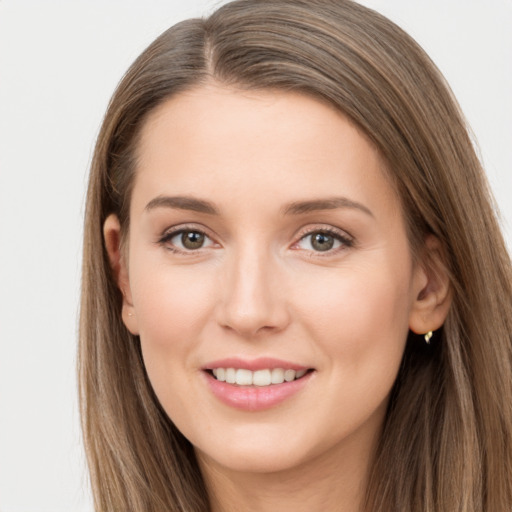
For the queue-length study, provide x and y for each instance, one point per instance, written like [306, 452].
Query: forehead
[257, 142]
[249, 115]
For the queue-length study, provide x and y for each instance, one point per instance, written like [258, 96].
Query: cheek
[170, 302]
[359, 324]
[360, 316]
[172, 307]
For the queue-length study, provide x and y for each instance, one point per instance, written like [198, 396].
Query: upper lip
[261, 363]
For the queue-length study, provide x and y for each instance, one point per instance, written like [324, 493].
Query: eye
[323, 240]
[190, 239]
[186, 240]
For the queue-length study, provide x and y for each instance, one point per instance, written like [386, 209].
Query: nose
[253, 300]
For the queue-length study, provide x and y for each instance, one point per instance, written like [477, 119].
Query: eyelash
[345, 240]
[170, 234]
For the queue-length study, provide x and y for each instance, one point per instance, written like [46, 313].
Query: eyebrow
[182, 203]
[295, 208]
[333, 203]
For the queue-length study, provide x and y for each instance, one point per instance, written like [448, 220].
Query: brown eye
[322, 241]
[186, 240]
[192, 239]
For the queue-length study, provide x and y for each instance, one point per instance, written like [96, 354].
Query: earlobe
[432, 293]
[112, 238]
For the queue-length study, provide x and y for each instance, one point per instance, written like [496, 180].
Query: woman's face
[266, 244]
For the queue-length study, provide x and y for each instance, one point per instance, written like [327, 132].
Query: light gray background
[59, 63]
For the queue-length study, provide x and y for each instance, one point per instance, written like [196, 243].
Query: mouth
[256, 384]
[259, 378]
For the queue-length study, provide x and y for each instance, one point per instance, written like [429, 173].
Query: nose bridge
[251, 299]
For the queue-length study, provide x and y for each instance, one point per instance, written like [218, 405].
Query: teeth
[243, 377]
[277, 376]
[230, 375]
[289, 375]
[262, 378]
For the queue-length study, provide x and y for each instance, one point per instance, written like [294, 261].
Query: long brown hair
[447, 439]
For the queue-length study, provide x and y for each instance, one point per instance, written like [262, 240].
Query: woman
[303, 296]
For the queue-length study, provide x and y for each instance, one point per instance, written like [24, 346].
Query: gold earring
[428, 337]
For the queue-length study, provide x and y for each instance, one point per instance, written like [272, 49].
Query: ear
[432, 289]
[112, 237]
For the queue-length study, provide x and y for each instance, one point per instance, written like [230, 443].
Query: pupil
[322, 242]
[192, 239]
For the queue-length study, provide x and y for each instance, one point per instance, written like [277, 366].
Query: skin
[259, 288]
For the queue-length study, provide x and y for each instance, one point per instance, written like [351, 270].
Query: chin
[268, 451]
[252, 460]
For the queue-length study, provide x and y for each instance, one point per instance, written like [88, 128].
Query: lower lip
[254, 398]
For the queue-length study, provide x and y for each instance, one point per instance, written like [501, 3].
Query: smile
[261, 378]
[256, 385]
